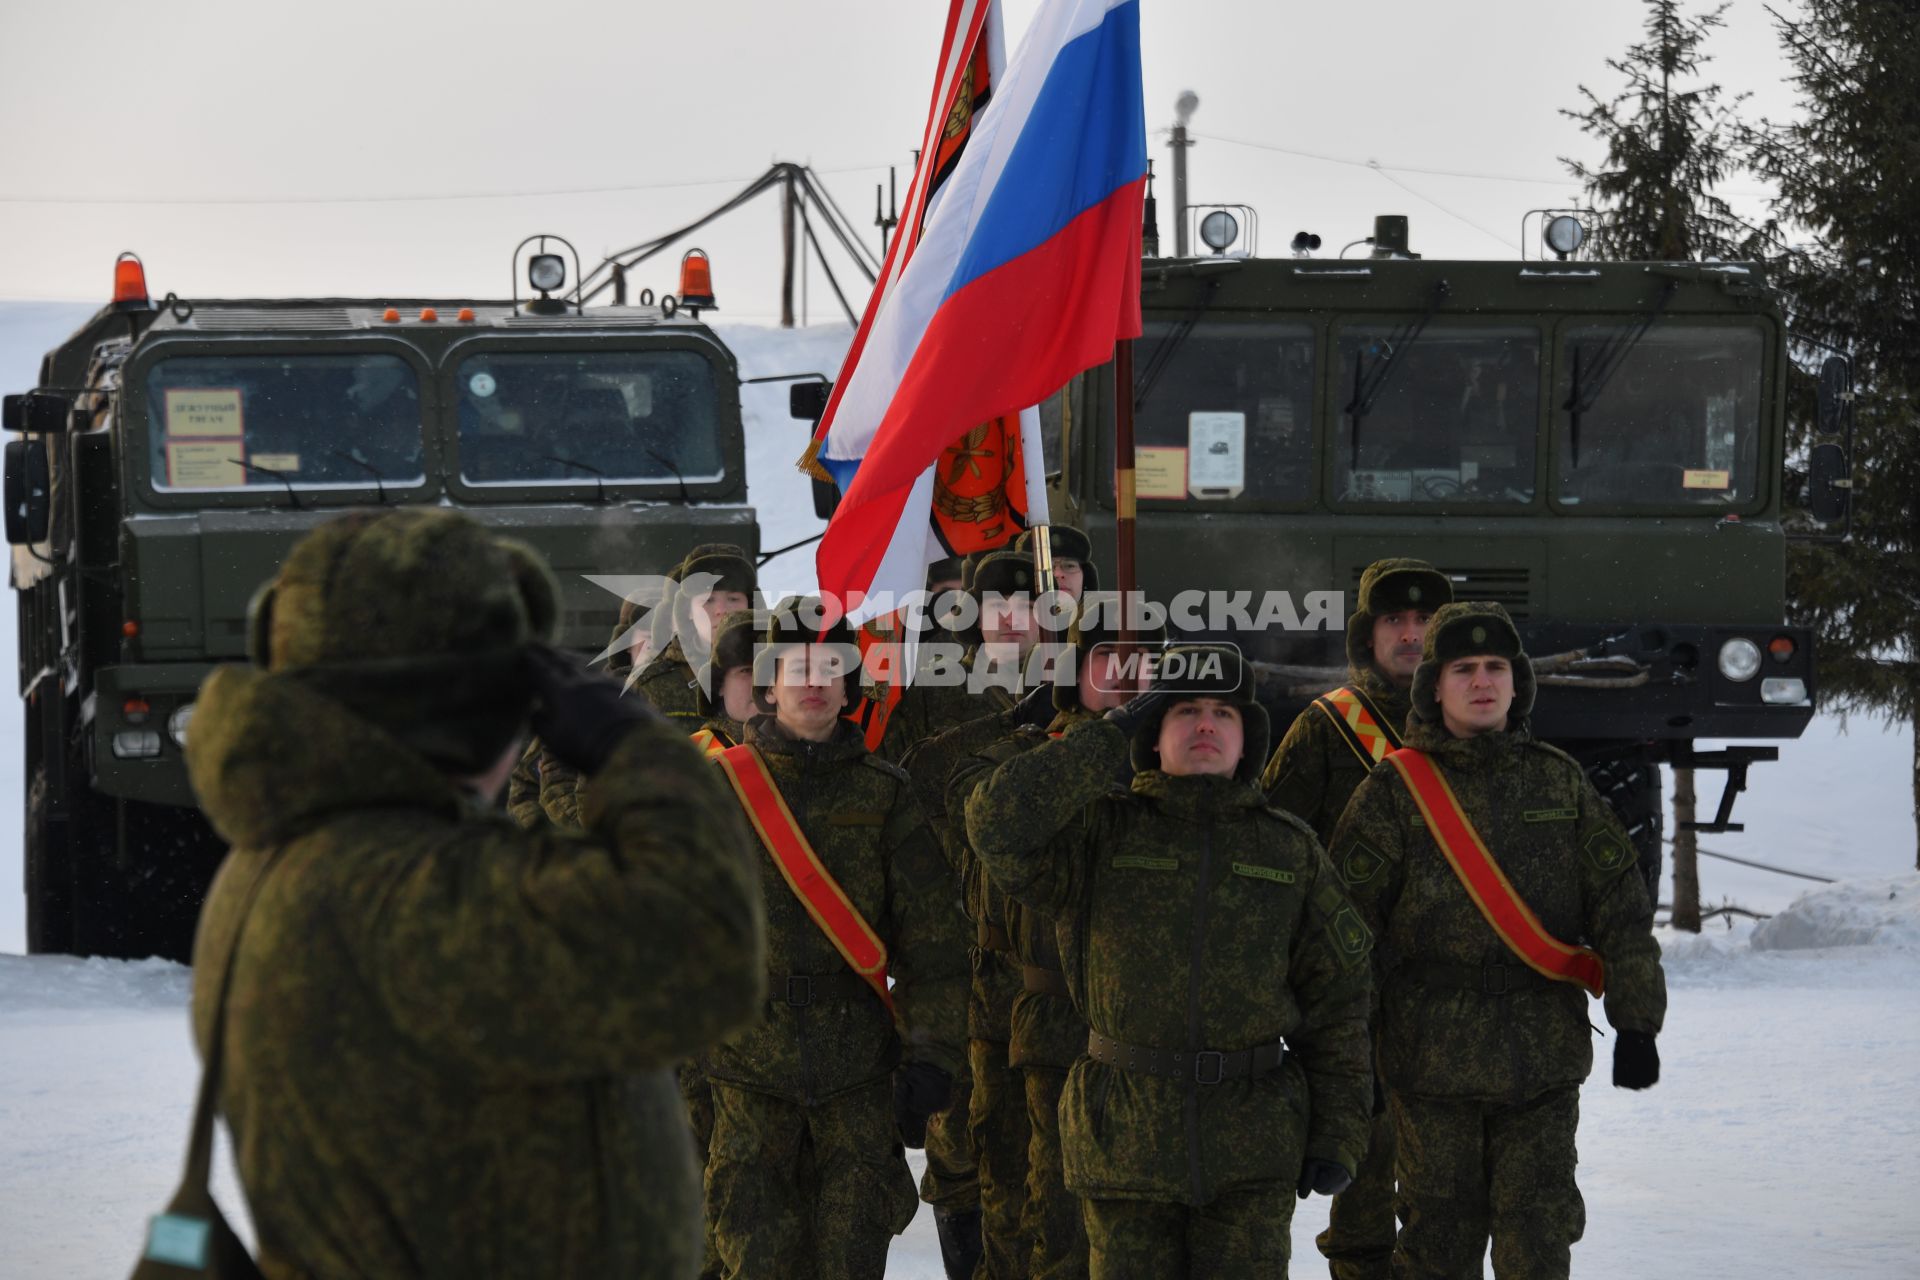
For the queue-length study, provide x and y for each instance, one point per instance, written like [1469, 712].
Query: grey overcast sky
[266, 148]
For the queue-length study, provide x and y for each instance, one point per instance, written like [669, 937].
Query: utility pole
[1183, 109]
[1686, 855]
[789, 198]
[891, 218]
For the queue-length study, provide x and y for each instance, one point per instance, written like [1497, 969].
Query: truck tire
[1630, 784]
[49, 876]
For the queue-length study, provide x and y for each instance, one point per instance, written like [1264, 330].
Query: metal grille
[233, 319]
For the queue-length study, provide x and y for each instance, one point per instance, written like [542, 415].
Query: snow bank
[1853, 913]
[31, 988]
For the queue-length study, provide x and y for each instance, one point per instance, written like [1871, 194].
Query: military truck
[174, 451]
[1599, 446]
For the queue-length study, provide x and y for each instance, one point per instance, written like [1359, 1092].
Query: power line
[1457, 217]
[1759, 866]
[439, 197]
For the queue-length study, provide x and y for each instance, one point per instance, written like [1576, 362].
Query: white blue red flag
[1025, 271]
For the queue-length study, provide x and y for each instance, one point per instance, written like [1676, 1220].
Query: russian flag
[1026, 272]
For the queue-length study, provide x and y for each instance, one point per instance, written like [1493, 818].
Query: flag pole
[1123, 491]
[1033, 463]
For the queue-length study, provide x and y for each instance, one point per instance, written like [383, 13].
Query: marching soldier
[1500, 885]
[1325, 756]
[445, 1040]
[805, 1173]
[1046, 1032]
[725, 696]
[1221, 971]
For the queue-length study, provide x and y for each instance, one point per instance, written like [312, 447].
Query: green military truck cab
[174, 453]
[1598, 446]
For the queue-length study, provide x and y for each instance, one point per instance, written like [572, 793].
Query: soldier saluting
[1220, 968]
[1502, 891]
[1324, 758]
[805, 1173]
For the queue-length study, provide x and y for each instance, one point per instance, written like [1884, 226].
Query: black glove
[1636, 1063]
[1036, 708]
[920, 1089]
[1130, 715]
[1322, 1178]
[579, 714]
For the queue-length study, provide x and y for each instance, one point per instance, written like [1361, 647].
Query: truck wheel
[49, 876]
[1630, 784]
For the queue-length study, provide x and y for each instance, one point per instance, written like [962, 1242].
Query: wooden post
[1686, 855]
[1123, 492]
[788, 200]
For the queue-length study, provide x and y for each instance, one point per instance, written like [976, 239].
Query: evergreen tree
[1669, 141]
[1848, 174]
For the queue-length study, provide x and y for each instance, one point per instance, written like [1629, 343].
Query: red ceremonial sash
[1512, 919]
[802, 869]
[710, 743]
[1370, 737]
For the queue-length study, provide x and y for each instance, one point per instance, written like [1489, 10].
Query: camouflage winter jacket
[448, 1040]
[931, 707]
[1444, 1030]
[1045, 1030]
[1192, 917]
[1314, 773]
[861, 819]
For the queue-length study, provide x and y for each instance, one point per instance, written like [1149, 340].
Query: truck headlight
[1783, 691]
[177, 724]
[1739, 659]
[136, 744]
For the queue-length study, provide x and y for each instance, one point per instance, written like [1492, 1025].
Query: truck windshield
[1679, 423]
[266, 421]
[567, 417]
[1229, 415]
[1457, 420]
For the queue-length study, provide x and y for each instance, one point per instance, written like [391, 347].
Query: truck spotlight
[1780, 691]
[1218, 230]
[546, 272]
[177, 724]
[1739, 659]
[1564, 235]
[136, 744]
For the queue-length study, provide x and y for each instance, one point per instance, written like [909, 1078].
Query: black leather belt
[1495, 979]
[991, 937]
[1049, 982]
[798, 990]
[1209, 1066]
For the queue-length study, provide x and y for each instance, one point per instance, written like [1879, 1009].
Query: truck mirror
[37, 411]
[826, 497]
[1829, 484]
[28, 494]
[808, 400]
[1836, 388]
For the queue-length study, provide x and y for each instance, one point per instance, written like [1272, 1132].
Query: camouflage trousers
[1243, 1233]
[952, 1182]
[1051, 1219]
[1358, 1241]
[796, 1190]
[1470, 1170]
[997, 1125]
[698, 1095]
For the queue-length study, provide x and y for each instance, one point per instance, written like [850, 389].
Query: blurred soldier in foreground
[1484, 860]
[805, 1172]
[1221, 970]
[1326, 755]
[447, 1039]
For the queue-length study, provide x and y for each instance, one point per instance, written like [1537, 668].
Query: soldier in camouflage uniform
[725, 696]
[805, 1172]
[1074, 572]
[447, 1040]
[1046, 1033]
[713, 581]
[1221, 970]
[1313, 774]
[1482, 1055]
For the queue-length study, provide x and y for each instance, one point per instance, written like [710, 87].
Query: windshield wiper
[686, 498]
[599, 476]
[1163, 351]
[1369, 383]
[1613, 353]
[293, 499]
[367, 467]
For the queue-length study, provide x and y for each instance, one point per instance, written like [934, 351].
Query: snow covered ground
[1781, 1142]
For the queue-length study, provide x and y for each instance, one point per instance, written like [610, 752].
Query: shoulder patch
[1606, 853]
[1361, 863]
[1351, 935]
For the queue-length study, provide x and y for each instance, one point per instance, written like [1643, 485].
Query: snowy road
[1781, 1142]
